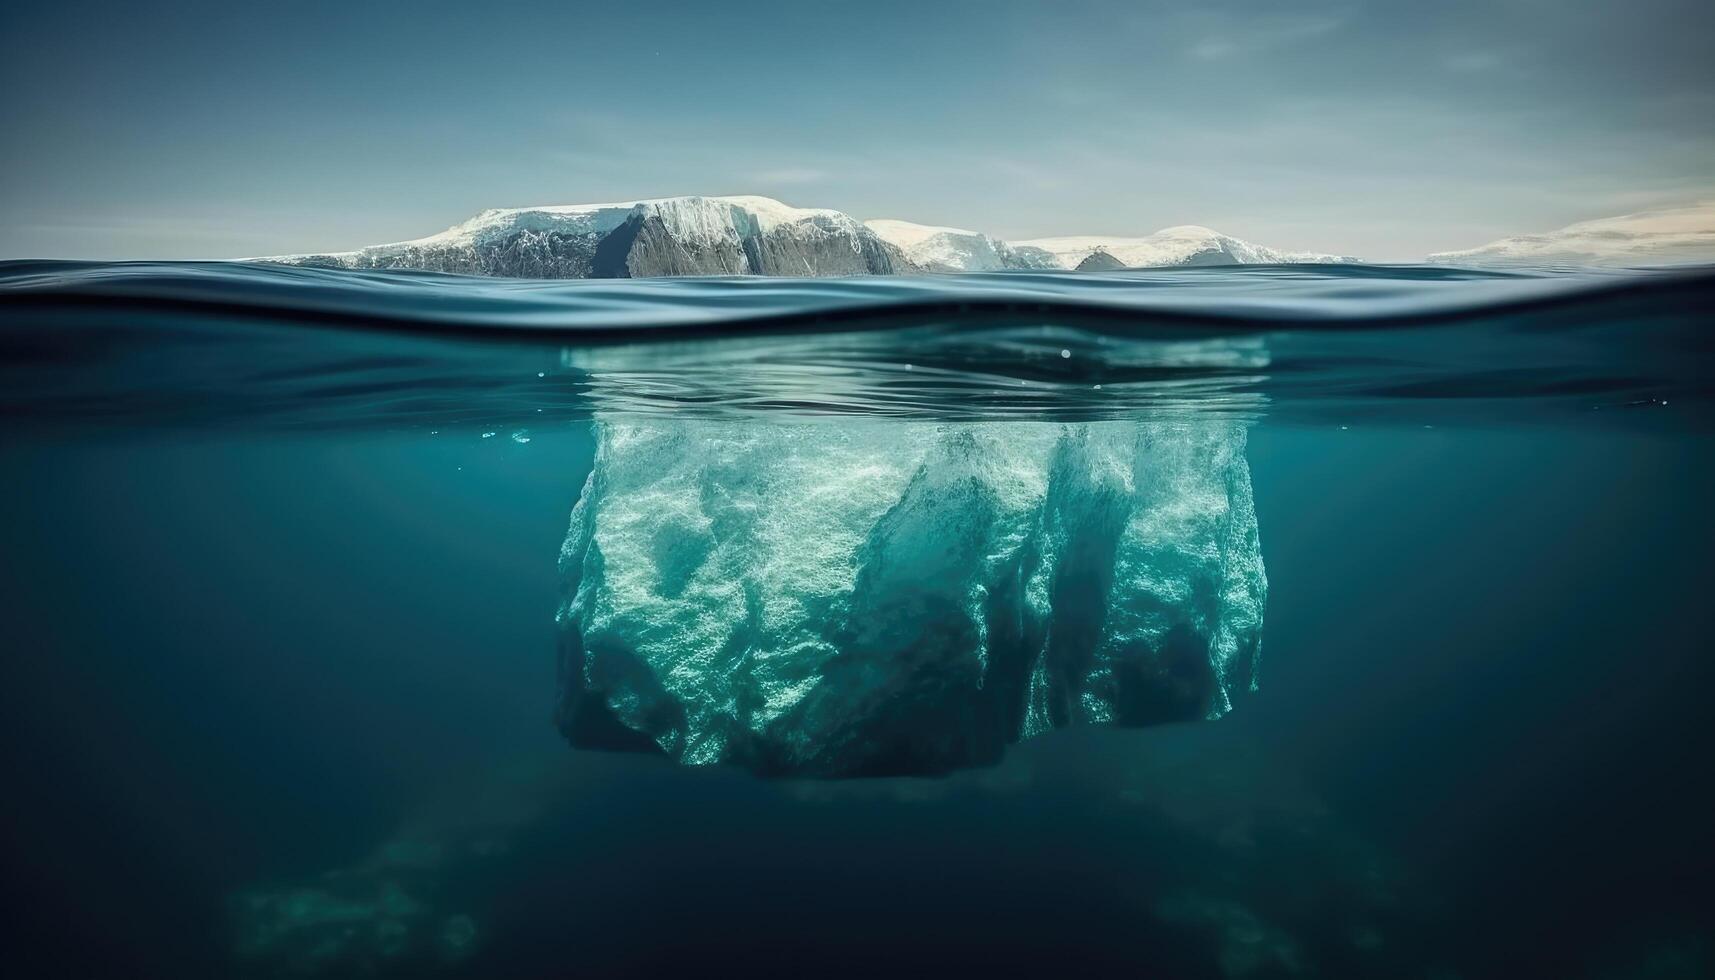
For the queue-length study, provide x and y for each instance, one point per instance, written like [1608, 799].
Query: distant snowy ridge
[936, 249]
[1667, 236]
[749, 235]
[1179, 245]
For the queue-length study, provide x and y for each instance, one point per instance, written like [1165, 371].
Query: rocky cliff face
[645, 246]
[527, 254]
[824, 252]
[1099, 261]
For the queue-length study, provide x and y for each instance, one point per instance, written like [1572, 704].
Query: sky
[1383, 130]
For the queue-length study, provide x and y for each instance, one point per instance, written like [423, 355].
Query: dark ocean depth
[286, 607]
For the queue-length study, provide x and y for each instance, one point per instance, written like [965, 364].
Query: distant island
[721, 236]
[749, 235]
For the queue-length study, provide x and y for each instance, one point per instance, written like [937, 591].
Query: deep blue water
[280, 556]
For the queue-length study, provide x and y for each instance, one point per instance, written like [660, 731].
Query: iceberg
[675, 236]
[751, 235]
[835, 598]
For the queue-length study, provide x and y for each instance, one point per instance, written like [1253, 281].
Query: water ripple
[224, 344]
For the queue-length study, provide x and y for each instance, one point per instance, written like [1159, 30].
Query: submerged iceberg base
[881, 597]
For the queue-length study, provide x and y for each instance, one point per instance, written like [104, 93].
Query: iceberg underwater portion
[859, 598]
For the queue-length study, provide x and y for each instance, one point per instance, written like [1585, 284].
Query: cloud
[1662, 236]
[1251, 37]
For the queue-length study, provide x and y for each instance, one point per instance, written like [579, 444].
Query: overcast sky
[1386, 130]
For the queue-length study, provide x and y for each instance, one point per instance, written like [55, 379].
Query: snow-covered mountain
[696, 236]
[1179, 245]
[676, 236]
[1668, 236]
[935, 249]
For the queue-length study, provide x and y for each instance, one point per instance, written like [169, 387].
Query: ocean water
[285, 613]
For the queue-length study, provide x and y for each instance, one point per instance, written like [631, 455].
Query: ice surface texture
[866, 598]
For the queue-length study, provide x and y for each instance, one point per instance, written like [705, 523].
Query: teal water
[281, 662]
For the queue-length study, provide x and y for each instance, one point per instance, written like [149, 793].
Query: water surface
[281, 556]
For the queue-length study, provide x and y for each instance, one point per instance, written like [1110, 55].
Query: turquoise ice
[844, 598]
